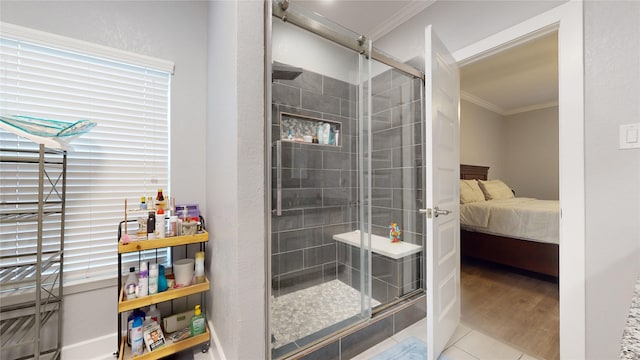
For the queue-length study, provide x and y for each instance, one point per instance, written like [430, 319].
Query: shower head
[284, 72]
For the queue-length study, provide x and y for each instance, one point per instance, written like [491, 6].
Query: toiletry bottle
[154, 314]
[290, 136]
[162, 279]
[160, 201]
[199, 272]
[197, 326]
[173, 224]
[326, 130]
[160, 224]
[136, 313]
[336, 138]
[137, 343]
[131, 284]
[320, 133]
[151, 225]
[143, 280]
[143, 203]
[153, 279]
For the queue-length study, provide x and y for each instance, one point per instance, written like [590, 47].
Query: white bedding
[521, 218]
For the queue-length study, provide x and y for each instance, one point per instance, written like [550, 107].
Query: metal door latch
[435, 212]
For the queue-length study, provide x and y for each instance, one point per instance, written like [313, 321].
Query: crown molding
[504, 112]
[531, 108]
[481, 102]
[402, 15]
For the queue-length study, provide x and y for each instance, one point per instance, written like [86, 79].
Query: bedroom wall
[531, 162]
[140, 27]
[482, 134]
[612, 90]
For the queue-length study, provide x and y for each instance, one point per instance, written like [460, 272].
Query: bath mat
[411, 348]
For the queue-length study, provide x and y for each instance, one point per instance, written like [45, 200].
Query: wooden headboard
[473, 172]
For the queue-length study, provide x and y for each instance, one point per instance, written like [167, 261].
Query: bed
[535, 251]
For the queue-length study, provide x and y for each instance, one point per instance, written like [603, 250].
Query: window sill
[71, 288]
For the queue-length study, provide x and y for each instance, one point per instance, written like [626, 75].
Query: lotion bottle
[143, 280]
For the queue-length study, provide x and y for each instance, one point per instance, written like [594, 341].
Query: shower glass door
[320, 134]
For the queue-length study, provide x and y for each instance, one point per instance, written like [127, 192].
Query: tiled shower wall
[397, 186]
[319, 183]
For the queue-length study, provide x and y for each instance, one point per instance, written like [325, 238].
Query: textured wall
[612, 90]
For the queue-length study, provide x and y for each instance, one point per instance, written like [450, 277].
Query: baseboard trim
[103, 345]
[217, 347]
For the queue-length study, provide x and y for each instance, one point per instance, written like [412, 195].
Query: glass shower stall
[346, 131]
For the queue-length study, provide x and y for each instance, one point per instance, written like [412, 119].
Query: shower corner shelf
[124, 352]
[31, 282]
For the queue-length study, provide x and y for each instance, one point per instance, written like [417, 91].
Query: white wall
[531, 153]
[171, 30]
[612, 90]
[521, 149]
[297, 47]
[236, 173]
[482, 139]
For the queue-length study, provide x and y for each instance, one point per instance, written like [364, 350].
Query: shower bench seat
[380, 245]
[395, 267]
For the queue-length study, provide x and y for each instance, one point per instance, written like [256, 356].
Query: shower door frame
[362, 46]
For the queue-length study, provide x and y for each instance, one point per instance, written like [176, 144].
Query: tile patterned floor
[307, 311]
[466, 344]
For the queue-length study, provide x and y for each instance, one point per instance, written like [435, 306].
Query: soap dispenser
[198, 325]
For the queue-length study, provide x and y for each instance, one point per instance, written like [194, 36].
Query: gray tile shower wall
[319, 187]
[397, 186]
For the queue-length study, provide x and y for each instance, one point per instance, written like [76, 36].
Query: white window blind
[125, 156]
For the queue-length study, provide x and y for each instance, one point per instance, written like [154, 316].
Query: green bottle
[198, 323]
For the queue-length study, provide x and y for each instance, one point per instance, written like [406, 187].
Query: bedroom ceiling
[519, 79]
[515, 80]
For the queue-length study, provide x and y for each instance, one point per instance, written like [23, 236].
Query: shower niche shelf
[302, 126]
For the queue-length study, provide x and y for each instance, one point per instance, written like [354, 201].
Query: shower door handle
[278, 209]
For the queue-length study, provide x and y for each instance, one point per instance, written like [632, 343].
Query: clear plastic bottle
[131, 284]
[154, 314]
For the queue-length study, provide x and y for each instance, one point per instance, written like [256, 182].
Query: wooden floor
[517, 309]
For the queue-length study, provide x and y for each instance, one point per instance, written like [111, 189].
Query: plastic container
[153, 279]
[143, 280]
[183, 272]
[162, 279]
[154, 314]
[173, 226]
[137, 340]
[160, 224]
[336, 138]
[131, 284]
[151, 225]
[143, 203]
[136, 313]
[198, 321]
[200, 278]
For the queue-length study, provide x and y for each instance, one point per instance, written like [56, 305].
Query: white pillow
[470, 192]
[495, 190]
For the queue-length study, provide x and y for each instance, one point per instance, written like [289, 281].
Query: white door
[442, 83]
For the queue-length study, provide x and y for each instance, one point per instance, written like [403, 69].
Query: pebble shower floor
[304, 312]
